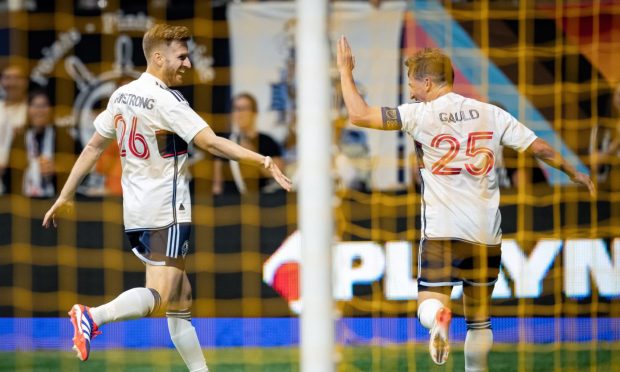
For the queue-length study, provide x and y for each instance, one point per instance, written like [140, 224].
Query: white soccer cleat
[84, 329]
[438, 346]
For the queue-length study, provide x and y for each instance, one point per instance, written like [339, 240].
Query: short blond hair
[431, 62]
[163, 33]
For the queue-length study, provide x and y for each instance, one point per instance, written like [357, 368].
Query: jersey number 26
[135, 139]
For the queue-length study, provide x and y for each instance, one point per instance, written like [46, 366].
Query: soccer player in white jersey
[153, 125]
[456, 140]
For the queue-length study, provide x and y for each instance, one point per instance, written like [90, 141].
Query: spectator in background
[13, 108]
[352, 160]
[238, 177]
[43, 153]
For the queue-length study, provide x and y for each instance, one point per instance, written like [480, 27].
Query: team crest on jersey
[185, 248]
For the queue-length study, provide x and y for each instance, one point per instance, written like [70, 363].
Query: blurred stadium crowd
[37, 151]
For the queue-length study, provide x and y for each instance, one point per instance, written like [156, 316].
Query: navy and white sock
[478, 343]
[185, 339]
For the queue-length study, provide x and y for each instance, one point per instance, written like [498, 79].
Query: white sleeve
[182, 120]
[408, 115]
[104, 124]
[514, 134]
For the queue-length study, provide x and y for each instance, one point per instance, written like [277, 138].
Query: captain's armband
[391, 118]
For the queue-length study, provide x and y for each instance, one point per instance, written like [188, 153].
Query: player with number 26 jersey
[153, 125]
[455, 135]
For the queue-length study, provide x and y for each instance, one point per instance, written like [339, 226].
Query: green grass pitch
[412, 357]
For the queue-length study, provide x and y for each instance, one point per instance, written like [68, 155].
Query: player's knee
[176, 301]
[167, 299]
[187, 303]
[183, 303]
[184, 298]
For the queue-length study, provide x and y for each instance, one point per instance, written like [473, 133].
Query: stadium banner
[586, 265]
[242, 269]
[263, 64]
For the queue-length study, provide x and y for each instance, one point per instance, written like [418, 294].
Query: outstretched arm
[219, 146]
[541, 149]
[83, 165]
[360, 114]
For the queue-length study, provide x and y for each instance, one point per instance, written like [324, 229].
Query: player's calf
[132, 304]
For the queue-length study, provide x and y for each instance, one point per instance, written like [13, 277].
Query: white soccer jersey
[457, 139]
[152, 125]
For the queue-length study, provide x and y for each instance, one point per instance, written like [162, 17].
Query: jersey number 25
[441, 167]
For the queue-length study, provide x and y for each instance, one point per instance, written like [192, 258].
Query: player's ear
[157, 57]
[428, 83]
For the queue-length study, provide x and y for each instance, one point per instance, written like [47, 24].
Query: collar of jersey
[149, 76]
[445, 96]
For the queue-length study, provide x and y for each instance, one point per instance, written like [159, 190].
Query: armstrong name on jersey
[135, 100]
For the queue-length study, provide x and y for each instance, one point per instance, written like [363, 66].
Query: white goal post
[314, 141]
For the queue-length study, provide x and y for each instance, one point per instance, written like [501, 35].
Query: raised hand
[344, 57]
[277, 174]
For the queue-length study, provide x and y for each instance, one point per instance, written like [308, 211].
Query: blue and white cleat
[438, 346]
[84, 329]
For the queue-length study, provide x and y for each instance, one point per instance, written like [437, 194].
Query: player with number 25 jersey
[456, 141]
[455, 135]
